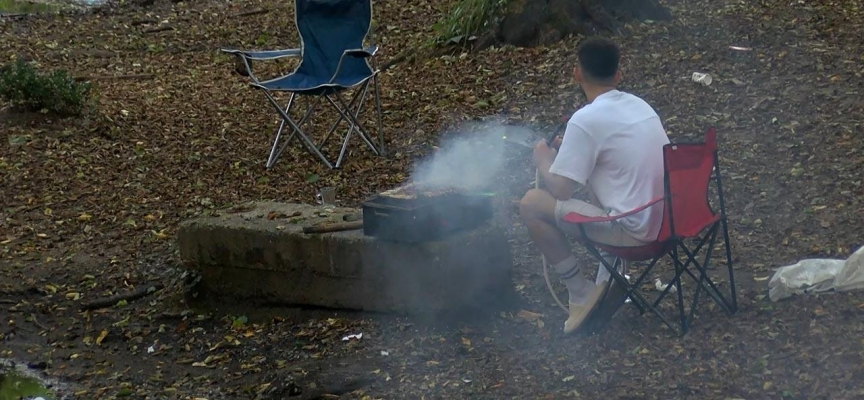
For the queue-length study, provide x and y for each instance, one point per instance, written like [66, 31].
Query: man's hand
[556, 144]
[543, 154]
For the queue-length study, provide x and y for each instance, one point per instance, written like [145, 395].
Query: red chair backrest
[688, 168]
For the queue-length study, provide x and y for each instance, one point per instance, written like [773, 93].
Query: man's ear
[619, 77]
[577, 74]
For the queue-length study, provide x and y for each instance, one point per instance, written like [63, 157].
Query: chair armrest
[575, 218]
[264, 54]
[362, 53]
[245, 58]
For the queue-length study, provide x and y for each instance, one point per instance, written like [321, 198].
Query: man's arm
[560, 187]
[563, 172]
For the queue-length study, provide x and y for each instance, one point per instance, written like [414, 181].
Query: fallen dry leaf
[528, 315]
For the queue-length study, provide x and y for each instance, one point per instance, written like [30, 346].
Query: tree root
[141, 292]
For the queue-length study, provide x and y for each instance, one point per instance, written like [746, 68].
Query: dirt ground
[91, 206]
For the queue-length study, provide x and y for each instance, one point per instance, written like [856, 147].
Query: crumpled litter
[355, 336]
[817, 276]
[660, 286]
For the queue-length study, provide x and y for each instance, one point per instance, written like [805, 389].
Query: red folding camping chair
[688, 215]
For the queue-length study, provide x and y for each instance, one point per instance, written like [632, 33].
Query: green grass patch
[56, 92]
[467, 18]
[24, 7]
[15, 386]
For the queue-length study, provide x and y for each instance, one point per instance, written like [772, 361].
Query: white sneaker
[579, 312]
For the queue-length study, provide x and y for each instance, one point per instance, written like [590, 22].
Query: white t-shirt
[615, 146]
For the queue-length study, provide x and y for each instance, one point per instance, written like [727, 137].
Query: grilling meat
[413, 191]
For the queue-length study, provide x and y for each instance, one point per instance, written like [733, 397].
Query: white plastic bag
[851, 276]
[818, 275]
[806, 276]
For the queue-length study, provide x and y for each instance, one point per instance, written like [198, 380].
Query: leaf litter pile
[91, 206]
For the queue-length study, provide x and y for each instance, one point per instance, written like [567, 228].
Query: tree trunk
[536, 22]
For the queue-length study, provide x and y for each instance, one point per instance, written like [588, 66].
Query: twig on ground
[13, 16]
[413, 54]
[251, 12]
[19, 292]
[101, 77]
[143, 22]
[5, 301]
[334, 392]
[160, 29]
[142, 291]
[39, 324]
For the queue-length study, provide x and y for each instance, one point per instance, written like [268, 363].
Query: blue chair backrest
[328, 28]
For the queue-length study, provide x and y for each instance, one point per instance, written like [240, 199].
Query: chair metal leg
[359, 127]
[355, 125]
[273, 151]
[703, 272]
[691, 259]
[699, 286]
[309, 110]
[714, 291]
[378, 113]
[346, 139]
[670, 285]
[734, 308]
[336, 124]
[734, 295]
[303, 139]
[349, 111]
[645, 274]
[677, 281]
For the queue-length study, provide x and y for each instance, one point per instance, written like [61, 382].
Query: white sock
[578, 287]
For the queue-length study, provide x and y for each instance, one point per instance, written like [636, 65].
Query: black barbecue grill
[425, 216]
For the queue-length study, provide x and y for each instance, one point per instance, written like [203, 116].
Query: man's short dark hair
[598, 58]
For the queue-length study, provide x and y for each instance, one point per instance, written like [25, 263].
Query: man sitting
[614, 145]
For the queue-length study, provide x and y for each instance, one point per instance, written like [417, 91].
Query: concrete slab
[261, 253]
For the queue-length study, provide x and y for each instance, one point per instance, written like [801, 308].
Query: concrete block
[245, 254]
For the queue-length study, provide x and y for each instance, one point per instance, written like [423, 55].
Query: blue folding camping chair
[332, 60]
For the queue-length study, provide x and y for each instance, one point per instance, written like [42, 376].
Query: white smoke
[470, 159]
